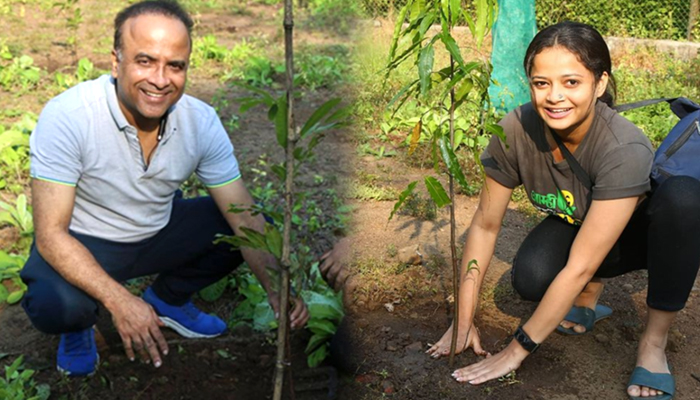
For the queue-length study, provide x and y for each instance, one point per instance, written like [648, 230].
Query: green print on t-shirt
[560, 204]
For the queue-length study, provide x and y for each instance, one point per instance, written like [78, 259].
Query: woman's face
[564, 91]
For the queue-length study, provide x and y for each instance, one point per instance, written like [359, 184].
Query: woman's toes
[634, 390]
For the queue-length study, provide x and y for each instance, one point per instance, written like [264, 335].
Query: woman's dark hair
[168, 8]
[583, 41]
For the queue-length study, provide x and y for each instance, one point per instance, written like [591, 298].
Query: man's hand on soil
[333, 263]
[139, 327]
[298, 313]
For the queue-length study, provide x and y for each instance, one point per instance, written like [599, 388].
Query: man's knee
[52, 304]
[54, 309]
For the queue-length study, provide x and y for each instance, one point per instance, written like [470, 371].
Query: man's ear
[115, 63]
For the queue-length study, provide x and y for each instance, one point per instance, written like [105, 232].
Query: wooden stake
[282, 332]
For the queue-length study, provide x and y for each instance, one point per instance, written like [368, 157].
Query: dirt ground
[393, 310]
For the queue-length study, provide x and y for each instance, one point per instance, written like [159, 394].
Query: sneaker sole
[174, 325]
[68, 373]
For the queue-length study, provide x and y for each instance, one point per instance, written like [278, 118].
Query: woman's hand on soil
[492, 367]
[464, 341]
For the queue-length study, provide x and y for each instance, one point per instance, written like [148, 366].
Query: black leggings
[662, 236]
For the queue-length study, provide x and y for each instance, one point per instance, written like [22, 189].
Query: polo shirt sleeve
[500, 159]
[218, 165]
[54, 147]
[624, 172]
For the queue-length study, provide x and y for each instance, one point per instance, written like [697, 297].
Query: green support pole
[514, 29]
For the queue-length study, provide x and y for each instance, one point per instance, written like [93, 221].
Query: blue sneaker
[186, 320]
[77, 353]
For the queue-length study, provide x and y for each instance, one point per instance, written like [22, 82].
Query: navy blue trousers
[663, 237]
[182, 254]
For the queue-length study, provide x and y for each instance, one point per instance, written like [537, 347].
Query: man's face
[151, 69]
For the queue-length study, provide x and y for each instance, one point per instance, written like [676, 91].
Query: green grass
[646, 74]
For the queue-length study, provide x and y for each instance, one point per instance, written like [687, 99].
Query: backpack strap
[643, 103]
[575, 166]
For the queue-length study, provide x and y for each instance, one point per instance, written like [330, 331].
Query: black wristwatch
[525, 340]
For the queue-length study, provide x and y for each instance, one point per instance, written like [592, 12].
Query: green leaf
[273, 238]
[257, 239]
[264, 317]
[13, 138]
[402, 198]
[436, 191]
[15, 297]
[224, 354]
[496, 130]
[403, 94]
[323, 307]
[397, 29]
[426, 58]
[450, 159]
[280, 171]
[455, 11]
[321, 326]
[9, 371]
[214, 291]
[315, 341]
[426, 23]
[316, 358]
[452, 47]
[43, 391]
[464, 89]
[482, 9]
[318, 115]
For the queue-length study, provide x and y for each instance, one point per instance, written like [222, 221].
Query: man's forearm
[78, 266]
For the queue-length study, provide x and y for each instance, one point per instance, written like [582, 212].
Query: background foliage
[651, 19]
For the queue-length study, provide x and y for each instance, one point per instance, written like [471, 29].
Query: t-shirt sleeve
[54, 147]
[218, 165]
[500, 159]
[624, 172]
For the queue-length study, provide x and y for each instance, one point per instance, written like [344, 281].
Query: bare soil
[393, 310]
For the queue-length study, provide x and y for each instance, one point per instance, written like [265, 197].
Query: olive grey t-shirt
[82, 139]
[615, 154]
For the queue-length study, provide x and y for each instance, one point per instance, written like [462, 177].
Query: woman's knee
[541, 256]
[527, 276]
[677, 201]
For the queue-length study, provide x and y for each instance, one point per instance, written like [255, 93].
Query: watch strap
[525, 341]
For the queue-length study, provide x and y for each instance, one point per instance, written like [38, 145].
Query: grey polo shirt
[83, 140]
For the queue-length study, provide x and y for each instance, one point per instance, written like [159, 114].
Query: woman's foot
[652, 357]
[651, 354]
[588, 298]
